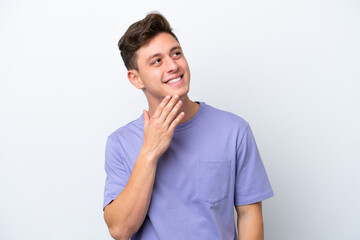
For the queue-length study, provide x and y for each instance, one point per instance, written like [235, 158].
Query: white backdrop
[290, 68]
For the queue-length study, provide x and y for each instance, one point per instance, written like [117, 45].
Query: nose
[171, 65]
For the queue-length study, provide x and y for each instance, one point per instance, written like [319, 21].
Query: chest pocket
[213, 179]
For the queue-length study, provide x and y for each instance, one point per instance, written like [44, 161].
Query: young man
[178, 170]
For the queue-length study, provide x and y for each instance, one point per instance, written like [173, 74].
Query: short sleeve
[252, 184]
[116, 174]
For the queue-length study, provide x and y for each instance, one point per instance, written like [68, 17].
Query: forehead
[160, 44]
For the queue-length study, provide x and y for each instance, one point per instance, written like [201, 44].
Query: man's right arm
[125, 215]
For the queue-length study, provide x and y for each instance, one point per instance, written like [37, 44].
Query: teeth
[174, 80]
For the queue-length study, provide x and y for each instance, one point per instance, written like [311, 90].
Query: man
[178, 170]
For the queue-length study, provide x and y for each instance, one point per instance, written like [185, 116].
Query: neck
[189, 107]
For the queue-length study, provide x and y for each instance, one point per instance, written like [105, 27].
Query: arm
[126, 213]
[250, 222]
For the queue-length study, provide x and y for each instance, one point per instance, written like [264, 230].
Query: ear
[134, 78]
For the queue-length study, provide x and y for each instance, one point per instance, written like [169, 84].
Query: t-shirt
[211, 165]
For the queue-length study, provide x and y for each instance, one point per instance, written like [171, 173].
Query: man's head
[154, 59]
[139, 34]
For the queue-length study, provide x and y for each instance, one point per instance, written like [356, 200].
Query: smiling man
[178, 170]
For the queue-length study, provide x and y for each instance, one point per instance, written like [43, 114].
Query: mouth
[174, 80]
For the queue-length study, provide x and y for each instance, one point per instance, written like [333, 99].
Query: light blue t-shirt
[211, 165]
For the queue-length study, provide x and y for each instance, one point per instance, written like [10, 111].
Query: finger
[170, 117]
[169, 106]
[146, 117]
[161, 106]
[176, 121]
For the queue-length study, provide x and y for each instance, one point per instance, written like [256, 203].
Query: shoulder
[224, 118]
[133, 128]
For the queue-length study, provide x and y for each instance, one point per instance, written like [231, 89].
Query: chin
[180, 92]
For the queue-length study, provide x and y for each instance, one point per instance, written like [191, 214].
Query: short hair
[139, 34]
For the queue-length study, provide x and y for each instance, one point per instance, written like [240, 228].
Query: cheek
[184, 64]
[157, 74]
[186, 69]
[151, 75]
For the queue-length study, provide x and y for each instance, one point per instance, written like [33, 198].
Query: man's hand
[125, 215]
[159, 129]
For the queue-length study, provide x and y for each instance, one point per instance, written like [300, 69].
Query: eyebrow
[174, 48]
[159, 54]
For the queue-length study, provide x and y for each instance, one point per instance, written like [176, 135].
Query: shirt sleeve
[116, 174]
[252, 184]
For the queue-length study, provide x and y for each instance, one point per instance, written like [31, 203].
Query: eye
[155, 62]
[177, 54]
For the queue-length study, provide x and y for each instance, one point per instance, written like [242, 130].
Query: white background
[290, 68]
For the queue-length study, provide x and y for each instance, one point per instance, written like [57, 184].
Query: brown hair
[139, 34]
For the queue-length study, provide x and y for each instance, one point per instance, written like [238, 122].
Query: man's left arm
[250, 222]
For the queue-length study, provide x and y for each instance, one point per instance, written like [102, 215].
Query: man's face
[163, 69]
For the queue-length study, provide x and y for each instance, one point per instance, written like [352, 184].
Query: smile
[174, 80]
